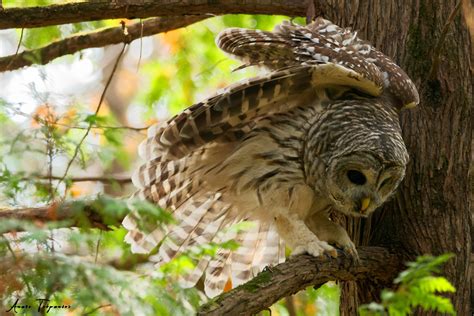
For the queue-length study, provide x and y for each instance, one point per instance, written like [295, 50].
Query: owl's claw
[315, 248]
[351, 250]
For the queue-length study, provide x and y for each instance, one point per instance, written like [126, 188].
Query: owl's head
[360, 182]
[360, 155]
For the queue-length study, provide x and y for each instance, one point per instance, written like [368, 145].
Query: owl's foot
[333, 233]
[315, 248]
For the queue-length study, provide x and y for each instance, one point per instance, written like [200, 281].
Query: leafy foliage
[417, 288]
[86, 281]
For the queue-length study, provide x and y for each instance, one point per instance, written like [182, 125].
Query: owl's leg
[299, 238]
[290, 206]
[320, 224]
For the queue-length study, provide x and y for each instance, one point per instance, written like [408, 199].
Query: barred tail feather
[189, 219]
[188, 280]
[198, 225]
[271, 252]
[143, 240]
[206, 232]
[244, 257]
[140, 242]
[217, 273]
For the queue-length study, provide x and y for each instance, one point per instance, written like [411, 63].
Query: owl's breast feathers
[214, 164]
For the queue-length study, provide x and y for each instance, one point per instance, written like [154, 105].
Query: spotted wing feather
[320, 42]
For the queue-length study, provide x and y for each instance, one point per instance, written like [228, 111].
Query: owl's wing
[320, 42]
[241, 103]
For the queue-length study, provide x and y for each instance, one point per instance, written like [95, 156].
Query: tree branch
[299, 272]
[105, 179]
[92, 11]
[109, 36]
[68, 214]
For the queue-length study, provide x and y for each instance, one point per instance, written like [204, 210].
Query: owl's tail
[201, 217]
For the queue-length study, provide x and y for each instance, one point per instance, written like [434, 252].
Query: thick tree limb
[109, 36]
[299, 272]
[92, 11]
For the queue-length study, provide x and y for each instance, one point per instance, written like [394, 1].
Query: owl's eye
[356, 177]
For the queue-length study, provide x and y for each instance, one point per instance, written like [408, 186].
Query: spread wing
[231, 110]
[318, 43]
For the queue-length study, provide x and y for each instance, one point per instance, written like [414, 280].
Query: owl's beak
[364, 204]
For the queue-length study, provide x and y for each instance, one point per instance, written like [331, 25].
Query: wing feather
[242, 103]
[318, 43]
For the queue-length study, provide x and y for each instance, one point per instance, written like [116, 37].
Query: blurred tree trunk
[431, 212]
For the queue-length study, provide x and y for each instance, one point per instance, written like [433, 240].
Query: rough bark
[92, 11]
[299, 272]
[431, 212]
[109, 36]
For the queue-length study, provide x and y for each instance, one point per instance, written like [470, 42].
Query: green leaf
[113, 136]
[417, 287]
[432, 284]
[93, 119]
[37, 37]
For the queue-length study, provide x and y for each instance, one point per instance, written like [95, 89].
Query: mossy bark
[296, 274]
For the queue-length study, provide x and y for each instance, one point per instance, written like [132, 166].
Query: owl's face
[358, 183]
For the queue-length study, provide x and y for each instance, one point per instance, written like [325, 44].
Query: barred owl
[318, 133]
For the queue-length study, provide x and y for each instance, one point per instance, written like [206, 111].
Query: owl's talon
[333, 253]
[351, 250]
[316, 249]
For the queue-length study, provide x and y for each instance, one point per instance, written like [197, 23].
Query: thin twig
[290, 305]
[141, 45]
[76, 151]
[96, 309]
[136, 129]
[50, 153]
[117, 179]
[97, 247]
[17, 49]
